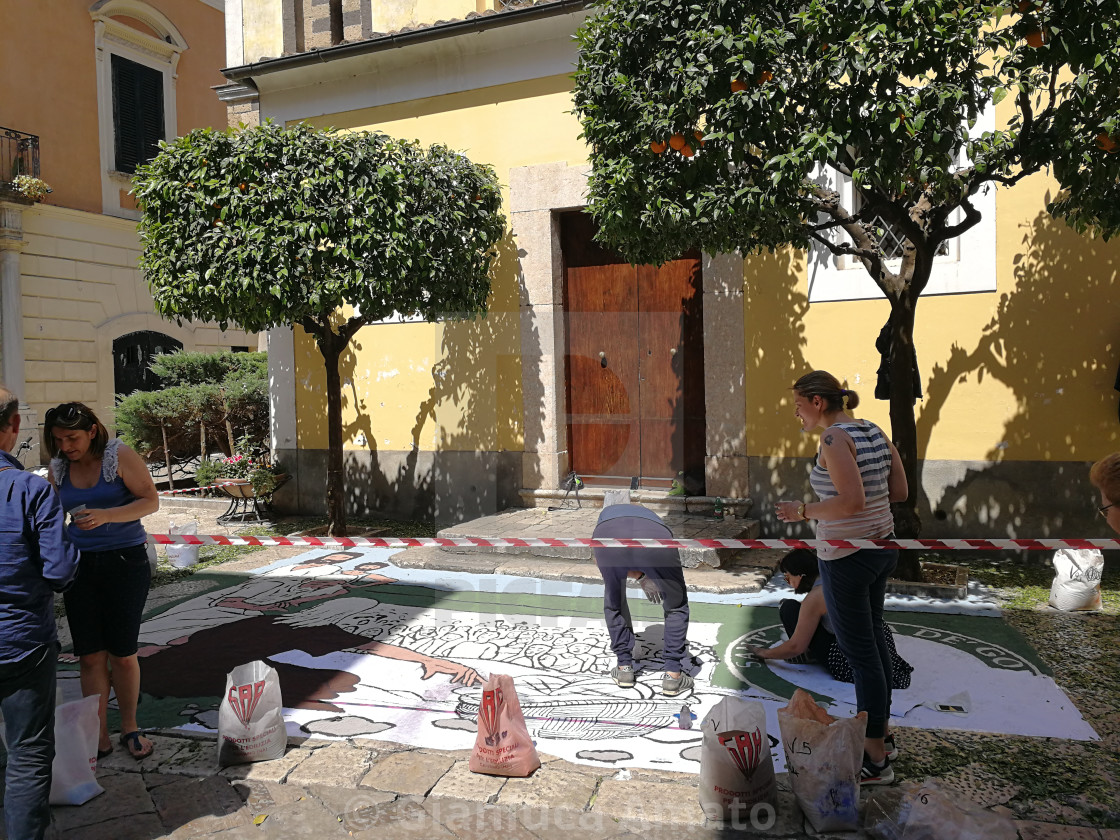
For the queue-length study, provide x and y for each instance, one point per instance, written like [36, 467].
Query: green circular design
[753, 673]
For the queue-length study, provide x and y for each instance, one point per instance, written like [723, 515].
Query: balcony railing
[19, 155]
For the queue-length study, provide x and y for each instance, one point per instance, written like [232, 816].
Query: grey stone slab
[261, 797]
[556, 763]
[347, 800]
[163, 750]
[155, 780]
[460, 783]
[193, 758]
[404, 819]
[124, 794]
[339, 765]
[412, 773]
[298, 821]
[195, 807]
[656, 802]
[128, 827]
[562, 824]
[275, 770]
[784, 819]
[474, 819]
[550, 787]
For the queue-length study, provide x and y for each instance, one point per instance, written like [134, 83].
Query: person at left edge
[37, 559]
[106, 488]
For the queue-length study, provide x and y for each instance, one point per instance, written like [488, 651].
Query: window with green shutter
[138, 123]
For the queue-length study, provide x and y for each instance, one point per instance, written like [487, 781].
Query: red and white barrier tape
[193, 489]
[587, 542]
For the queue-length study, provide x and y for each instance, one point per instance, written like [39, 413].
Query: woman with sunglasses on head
[858, 473]
[106, 488]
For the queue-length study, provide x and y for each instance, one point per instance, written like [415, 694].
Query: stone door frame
[537, 195]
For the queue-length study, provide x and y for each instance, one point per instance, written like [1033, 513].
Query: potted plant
[253, 476]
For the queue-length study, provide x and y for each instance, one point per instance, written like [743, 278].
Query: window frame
[111, 37]
[969, 267]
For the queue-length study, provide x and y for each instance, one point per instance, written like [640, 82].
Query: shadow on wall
[463, 459]
[1054, 342]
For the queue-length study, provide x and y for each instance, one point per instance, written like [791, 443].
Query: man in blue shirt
[36, 560]
[659, 574]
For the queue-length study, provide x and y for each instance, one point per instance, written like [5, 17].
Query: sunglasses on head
[65, 414]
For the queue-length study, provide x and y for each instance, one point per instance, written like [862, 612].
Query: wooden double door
[635, 364]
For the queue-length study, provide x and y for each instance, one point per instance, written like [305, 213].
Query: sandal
[105, 753]
[131, 742]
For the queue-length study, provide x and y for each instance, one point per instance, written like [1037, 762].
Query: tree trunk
[904, 429]
[167, 457]
[331, 346]
[229, 426]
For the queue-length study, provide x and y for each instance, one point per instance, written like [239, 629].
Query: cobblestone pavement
[1052, 789]
[384, 791]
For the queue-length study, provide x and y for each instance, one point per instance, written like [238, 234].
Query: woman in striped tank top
[856, 476]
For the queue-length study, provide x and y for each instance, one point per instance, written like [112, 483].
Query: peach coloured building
[102, 83]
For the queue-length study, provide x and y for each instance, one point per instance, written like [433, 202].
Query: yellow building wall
[447, 386]
[1025, 373]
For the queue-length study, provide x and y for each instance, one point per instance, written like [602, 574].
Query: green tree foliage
[223, 393]
[271, 226]
[770, 95]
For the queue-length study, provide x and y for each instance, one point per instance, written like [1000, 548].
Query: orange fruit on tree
[738, 85]
[1025, 6]
[687, 151]
[1106, 143]
[676, 142]
[657, 147]
[699, 135]
[1037, 38]
[765, 77]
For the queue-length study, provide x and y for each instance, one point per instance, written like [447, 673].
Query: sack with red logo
[503, 746]
[736, 769]
[823, 755]
[250, 723]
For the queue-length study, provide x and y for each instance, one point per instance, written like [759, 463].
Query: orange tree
[291, 225]
[710, 124]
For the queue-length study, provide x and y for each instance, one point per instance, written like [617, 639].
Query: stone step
[748, 572]
[519, 523]
[659, 501]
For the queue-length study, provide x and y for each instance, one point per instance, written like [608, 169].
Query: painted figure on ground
[190, 648]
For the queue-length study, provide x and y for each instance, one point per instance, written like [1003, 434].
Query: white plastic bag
[182, 556]
[823, 756]
[1077, 582]
[927, 811]
[73, 774]
[736, 769]
[250, 722]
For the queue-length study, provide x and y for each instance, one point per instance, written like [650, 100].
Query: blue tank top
[106, 493]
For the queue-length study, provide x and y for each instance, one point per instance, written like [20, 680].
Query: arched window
[132, 357]
[136, 72]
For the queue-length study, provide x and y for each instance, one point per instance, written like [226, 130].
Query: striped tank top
[875, 521]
